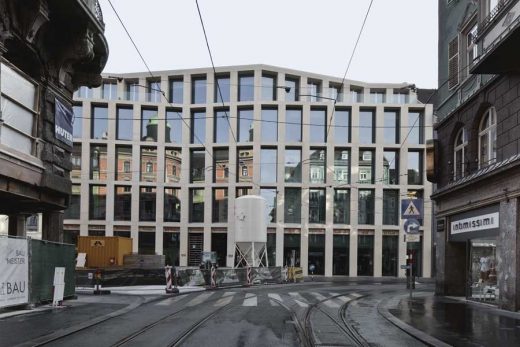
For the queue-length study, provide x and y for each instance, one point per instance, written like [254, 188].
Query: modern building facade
[478, 171]
[161, 159]
[48, 48]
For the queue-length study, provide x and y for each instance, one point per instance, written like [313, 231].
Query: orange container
[104, 251]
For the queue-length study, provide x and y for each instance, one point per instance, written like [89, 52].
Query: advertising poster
[14, 272]
[63, 119]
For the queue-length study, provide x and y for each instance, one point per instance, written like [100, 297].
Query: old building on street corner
[48, 48]
[161, 159]
[478, 162]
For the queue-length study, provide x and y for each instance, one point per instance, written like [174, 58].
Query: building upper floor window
[487, 138]
[453, 63]
[19, 110]
[471, 46]
[109, 90]
[176, 90]
[246, 87]
[293, 83]
[198, 90]
[377, 96]
[314, 90]
[154, 91]
[459, 154]
[222, 88]
[132, 91]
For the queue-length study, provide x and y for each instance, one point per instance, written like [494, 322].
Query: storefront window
[340, 255]
[291, 249]
[316, 254]
[219, 246]
[171, 248]
[271, 248]
[483, 275]
[390, 255]
[365, 255]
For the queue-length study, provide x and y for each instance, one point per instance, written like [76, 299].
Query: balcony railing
[95, 8]
[493, 13]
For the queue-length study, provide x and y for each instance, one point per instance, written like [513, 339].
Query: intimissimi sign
[476, 223]
[484, 222]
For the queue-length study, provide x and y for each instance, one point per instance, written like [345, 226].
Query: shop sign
[477, 223]
[14, 272]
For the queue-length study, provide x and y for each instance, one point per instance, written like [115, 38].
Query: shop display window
[483, 275]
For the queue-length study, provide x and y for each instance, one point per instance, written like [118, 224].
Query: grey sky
[399, 42]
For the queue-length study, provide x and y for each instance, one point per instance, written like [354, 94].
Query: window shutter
[453, 63]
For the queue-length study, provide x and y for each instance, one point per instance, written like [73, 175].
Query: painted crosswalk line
[343, 298]
[299, 300]
[225, 299]
[250, 300]
[327, 302]
[276, 297]
[169, 301]
[199, 299]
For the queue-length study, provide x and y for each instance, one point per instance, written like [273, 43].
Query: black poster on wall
[63, 117]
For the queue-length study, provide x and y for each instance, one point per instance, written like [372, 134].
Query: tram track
[348, 330]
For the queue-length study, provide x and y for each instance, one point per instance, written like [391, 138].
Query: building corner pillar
[52, 228]
[508, 258]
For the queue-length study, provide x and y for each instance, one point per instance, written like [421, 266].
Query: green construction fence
[44, 257]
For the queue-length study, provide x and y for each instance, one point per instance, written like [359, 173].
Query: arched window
[487, 138]
[459, 154]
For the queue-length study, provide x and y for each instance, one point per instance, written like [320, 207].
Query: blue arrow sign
[411, 226]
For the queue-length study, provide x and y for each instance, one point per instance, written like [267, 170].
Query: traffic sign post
[412, 208]
[411, 226]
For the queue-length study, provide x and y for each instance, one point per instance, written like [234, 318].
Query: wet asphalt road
[258, 316]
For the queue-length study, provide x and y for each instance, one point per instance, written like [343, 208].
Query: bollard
[213, 277]
[168, 276]
[248, 275]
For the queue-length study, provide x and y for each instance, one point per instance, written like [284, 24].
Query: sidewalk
[438, 321]
[86, 295]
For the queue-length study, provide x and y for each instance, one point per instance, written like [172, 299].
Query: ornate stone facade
[52, 47]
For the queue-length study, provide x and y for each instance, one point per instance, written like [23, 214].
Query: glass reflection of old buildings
[166, 172]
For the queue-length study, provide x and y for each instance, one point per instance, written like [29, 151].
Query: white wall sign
[482, 222]
[59, 285]
[14, 272]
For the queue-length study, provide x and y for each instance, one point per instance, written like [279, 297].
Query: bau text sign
[14, 272]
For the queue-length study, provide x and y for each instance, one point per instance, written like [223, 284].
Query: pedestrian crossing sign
[412, 208]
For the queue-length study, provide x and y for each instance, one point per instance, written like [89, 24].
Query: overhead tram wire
[265, 121]
[160, 90]
[131, 39]
[346, 71]
[215, 71]
[165, 98]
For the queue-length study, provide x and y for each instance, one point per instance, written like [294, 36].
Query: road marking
[250, 300]
[299, 300]
[199, 299]
[225, 299]
[330, 303]
[275, 297]
[356, 295]
[343, 298]
[169, 301]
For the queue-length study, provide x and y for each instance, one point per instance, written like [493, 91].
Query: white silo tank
[250, 231]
